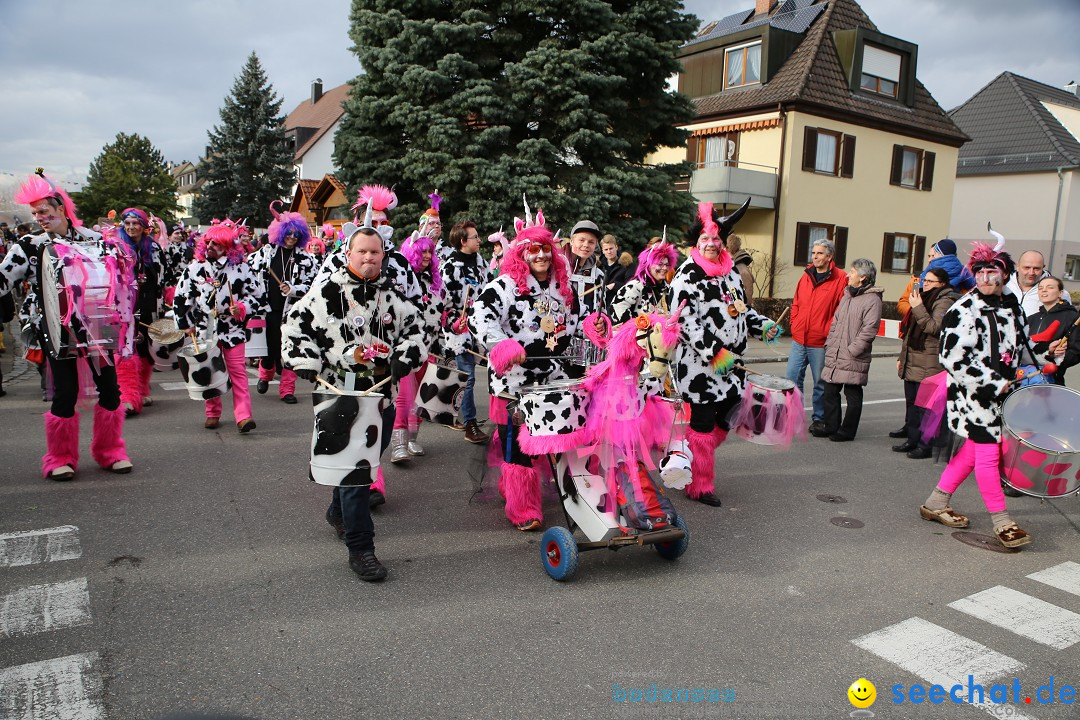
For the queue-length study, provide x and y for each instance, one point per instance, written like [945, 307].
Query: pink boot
[128, 377]
[107, 445]
[146, 367]
[703, 466]
[377, 495]
[521, 486]
[61, 447]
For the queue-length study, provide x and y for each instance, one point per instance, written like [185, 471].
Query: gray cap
[586, 226]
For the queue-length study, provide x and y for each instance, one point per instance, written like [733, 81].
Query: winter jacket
[460, 271]
[917, 365]
[743, 261]
[903, 304]
[200, 305]
[1046, 327]
[1029, 301]
[960, 278]
[297, 272]
[854, 327]
[813, 308]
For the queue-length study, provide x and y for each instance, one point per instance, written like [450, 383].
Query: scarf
[717, 268]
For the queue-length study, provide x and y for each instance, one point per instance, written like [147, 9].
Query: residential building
[1021, 171]
[311, 127]
[805, 107]
[188, 187]
[323, 201]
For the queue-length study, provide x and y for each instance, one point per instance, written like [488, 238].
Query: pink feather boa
[505, 354]
[596, 338]
[713, 268]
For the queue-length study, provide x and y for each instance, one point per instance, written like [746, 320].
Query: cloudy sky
[76, 73]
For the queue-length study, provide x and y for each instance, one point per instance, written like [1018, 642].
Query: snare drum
[771, 412]
[78, 288]
[165, 343]
[439, 397]
[256, 346]
[1041, 440]
[347, 440]
[554, 417]
[204, 371]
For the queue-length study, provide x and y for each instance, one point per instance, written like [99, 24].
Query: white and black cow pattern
[501, 313]
[396, 269]
[707, 327]
[204, 372]
[177, 257]
[196, 299]
[438, 398]
[979, 376]
[301, 273]
[639, 297]
[345, 443]
[320, 332]
[458, 272]
[561, 411]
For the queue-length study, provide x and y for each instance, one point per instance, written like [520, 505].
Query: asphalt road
[214, 585]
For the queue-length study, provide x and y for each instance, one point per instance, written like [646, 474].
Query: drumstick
[318, 378]
[274, 275]
[479, 355]
[782, 316]
[195, 343]
[377, 385]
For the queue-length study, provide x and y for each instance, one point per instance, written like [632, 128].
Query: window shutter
[918, 255]
[802, 244]
[809, 151]
[927, 171]
[881, 63]
[840, 241]
[897, 164]
[692, 151]
[887, 252]
[847, 165]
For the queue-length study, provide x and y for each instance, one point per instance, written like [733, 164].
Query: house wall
[318, 160]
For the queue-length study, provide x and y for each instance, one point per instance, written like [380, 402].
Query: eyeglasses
[538, 249]
[473, 237]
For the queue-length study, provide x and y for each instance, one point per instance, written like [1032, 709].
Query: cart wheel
[559, 553]
[673, 550]
[1010, 490]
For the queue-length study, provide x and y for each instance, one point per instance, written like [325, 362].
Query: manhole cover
[832, 498]
[847, 522]
[986, 542]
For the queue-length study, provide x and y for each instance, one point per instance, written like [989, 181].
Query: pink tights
[405, 403]
[985, 460]
[236, 364]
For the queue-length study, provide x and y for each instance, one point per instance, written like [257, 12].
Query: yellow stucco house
[817, 116]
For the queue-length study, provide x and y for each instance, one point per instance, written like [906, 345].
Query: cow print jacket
[198, 304]
[501, 314]
[301, 271]
[177, 257]
[981, 343]
[639, 297]
[325, 327]
[707, 328]
[461, 271]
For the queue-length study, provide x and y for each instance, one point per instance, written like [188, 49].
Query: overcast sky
[74, 73]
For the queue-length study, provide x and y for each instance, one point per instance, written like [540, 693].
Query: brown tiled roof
[321, 115]
[813, 79]
[307, 187]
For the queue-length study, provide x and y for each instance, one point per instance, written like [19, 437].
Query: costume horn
[728, 223]
[997, 236]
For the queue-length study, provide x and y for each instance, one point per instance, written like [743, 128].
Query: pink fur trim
[705, 215]
[497, 412]
[127, 376]
[380, 482]
[718, 268]
[536, 445]
[589, 327]
[703, 466]
[521, 487]
[61, 443]
[107, 445]
[505, 355]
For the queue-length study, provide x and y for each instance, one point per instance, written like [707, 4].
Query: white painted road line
[1024, 615]
[169, 386]
[41, 608]
[39, 546]
[1065, 576]
[67, 688]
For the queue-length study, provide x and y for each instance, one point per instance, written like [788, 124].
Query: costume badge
[359, 321]
[387, 318]
[740, 306]
[551, 343]
[732, 310]
[547, 324]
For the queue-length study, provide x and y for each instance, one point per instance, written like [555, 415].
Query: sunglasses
[537, 249]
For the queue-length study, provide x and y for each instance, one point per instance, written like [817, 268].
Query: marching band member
[587, 280]
[648, 291]
[214, 297]
[177, 256]
[355, 321]
[62, 233]
[715, 324]
[286, 270]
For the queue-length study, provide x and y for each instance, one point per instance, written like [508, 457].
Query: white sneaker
[121, 467]
[64, 472]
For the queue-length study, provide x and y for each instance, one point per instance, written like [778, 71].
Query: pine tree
[129, 172]
[558, 99]
[250, 158]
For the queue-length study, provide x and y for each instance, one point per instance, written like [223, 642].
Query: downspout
[1053, 232]
[776, 200]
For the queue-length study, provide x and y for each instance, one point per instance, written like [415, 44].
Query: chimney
[1073, 88]
[316, 90]
[762, 7]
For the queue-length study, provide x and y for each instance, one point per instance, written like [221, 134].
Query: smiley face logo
[862, 693]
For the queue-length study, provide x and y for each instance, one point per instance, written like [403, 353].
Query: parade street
[208, 581]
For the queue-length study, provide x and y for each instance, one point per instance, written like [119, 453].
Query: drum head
[165, 332]
[1041, 440]
[770, 382]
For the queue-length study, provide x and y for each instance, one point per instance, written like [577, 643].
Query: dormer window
[742, 65]
[880, 71]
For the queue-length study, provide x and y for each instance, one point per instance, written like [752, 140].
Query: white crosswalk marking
[67, 688]
[1024, 615]
[41, 608]
[39, 546]
[1065, 576]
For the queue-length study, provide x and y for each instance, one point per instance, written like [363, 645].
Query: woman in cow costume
[981, 343]
[647, 293]
[715, 325]
[62, 234]
[286, 270]
[148, 259]
[215, 296]
[526, 318]
[356, 322]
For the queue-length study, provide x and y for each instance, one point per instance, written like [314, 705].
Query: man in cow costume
[214, 297]
[715, 325]
[286, 270]
[526, 318]
[62, 234]
[356, 322]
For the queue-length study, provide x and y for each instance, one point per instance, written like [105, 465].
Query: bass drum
[1041, 441]
[76, 297]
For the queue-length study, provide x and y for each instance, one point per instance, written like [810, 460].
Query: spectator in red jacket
[816, 298]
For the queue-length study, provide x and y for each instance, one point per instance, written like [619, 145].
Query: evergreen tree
[558, 99]
[250, 159]
[130, 172]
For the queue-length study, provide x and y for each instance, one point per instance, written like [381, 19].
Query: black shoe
[1010, 490]
[905, 447]
[375, 499]
[920, 453]
[841, 437]
[262, 386]
[289, 399]
[816, 427]
[367, 566]
[708, 499]
[901, 433]
[335, 522]
[820, 431]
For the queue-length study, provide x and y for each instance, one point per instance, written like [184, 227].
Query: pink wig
[515, 265]
[651, 254]
[381, 198]
[328, 230]
[285, 223]
[708, 224]
[224, 234]
[413, 249]
[39, 187]
[316, 246]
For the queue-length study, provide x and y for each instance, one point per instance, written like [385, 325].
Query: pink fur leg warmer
[521, 487]
[61, 443]
[107, 446]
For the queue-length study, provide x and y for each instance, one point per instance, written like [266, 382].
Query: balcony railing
[731, 182]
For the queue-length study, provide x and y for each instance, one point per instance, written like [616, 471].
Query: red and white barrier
[889, 329]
